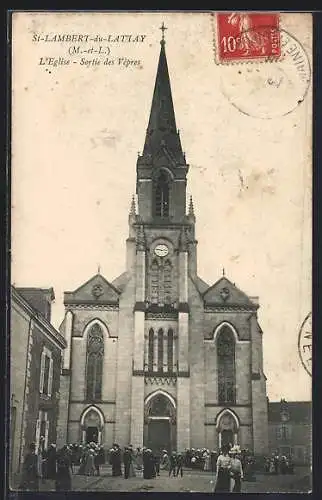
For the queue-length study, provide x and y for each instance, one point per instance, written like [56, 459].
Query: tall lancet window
[154, 282]
[94, 369]
[226, 366]
[151, 350]
[160, 350]
[170, 350]
[167, 277]
[162, 196]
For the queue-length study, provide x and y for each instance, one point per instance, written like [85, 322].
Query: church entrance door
[160, 423]
[227, 437]
[227, 428]
[159, 437]
[91, 435]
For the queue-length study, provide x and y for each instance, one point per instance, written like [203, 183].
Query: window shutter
[42, 372]
[50, 377]
[46, 432]
[37, 432]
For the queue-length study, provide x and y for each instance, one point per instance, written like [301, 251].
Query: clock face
[161, 250]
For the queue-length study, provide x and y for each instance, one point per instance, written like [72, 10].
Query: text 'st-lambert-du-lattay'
[88, 50]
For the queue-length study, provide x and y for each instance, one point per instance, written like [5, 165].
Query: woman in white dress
[223, 471]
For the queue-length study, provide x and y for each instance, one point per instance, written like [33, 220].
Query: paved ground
[193, 481]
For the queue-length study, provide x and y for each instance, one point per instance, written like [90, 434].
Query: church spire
[162, 130]
[191, 208]
[133, 208]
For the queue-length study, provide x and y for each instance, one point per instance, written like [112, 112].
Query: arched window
[95, 354]
[170, 350]
[162, 196]
[160, 406]
[167, 277]
[160, 350]
[151, 350]
[154, 282]
[226, 366]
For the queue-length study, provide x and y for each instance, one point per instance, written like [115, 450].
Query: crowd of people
[279, 464]
[59, 465]
[229, 466]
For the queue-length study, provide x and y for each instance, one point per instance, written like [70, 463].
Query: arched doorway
[160, 422]
[227, 426]
[92, 424]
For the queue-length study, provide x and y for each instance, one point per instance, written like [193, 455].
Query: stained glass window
[151, 350]
[94, 372]
[170, 350]
[226, 366]
[160, 350]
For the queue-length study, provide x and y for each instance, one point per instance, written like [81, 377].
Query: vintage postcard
[161, 252]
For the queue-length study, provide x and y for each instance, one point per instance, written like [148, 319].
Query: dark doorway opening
[159, 435]
[92, 435]
[227, 437]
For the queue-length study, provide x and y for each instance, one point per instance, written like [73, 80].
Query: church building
[158, 357]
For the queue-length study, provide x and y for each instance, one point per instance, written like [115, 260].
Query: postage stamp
[273, 87]
[243, 36]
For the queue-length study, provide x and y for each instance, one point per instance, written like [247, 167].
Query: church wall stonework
[124, 365]
[77, 409]
[243, 372]
[197, 368]
[246, 437]
[244, 413]
[240, 320]
[78, 368]
[151, 386]
[83, 317]
[211, 376]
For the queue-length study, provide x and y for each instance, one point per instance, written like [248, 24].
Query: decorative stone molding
[97, 290]
[229, 308]
[160, 381]
[162, 315]
[96, 307]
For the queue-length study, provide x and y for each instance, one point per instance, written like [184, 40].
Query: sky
[76, 133]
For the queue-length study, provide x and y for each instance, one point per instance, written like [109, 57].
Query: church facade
[158, 357]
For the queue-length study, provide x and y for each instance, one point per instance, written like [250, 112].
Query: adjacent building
[290, 429]
[159, 356]
[35, 364]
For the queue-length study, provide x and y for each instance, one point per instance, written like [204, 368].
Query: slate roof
[299, 411]
[39, 298]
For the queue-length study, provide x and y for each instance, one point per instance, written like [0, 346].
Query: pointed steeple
[133, 208]
[162, 131]
[191, 208]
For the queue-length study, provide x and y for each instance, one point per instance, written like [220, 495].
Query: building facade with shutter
[158, 357]
[290, 430]
[35, 365]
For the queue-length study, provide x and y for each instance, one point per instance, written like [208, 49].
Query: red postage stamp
[247, 36]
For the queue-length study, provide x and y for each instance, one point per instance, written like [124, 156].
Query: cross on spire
[98, 268]
[163, 28]
[223, 271]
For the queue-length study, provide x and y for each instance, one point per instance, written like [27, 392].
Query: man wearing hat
[236, 469]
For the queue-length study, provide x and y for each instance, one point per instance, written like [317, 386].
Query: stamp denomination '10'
[247, 36]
